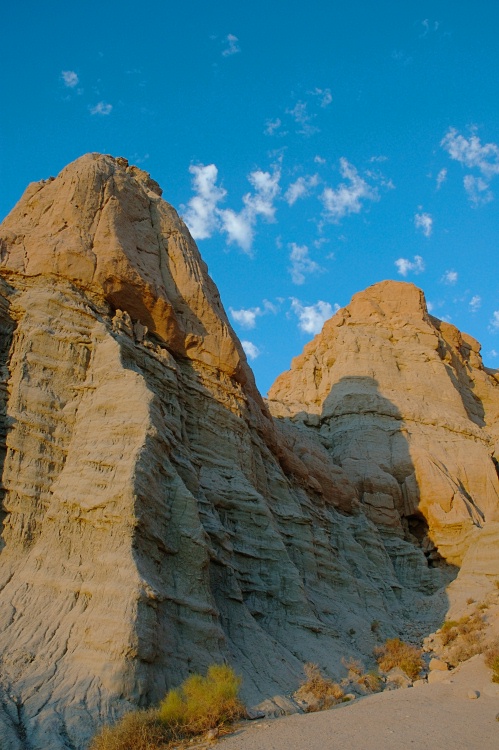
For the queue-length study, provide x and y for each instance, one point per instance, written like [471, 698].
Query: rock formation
[156, 518]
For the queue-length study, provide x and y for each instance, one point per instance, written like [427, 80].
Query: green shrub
[397, 653]
[203, 703]
[199, 704]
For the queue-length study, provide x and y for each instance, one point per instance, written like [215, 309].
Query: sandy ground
[431, 717]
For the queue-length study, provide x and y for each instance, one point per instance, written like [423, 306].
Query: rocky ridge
[158, 519]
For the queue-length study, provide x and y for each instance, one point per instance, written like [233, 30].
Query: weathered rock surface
[403, 404]
[156, 519]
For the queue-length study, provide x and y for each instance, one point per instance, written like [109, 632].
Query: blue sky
[313, 148]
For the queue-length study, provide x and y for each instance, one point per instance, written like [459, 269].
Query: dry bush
[203, 703]
[325, 691]
[370, 681]
[396, 653]
[140, 730]
[448, 632]
[199, 704]
[465, 635]
[492, 660]
[354, 666]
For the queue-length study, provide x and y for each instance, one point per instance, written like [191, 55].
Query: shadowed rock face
[403, 404]
[156, 518]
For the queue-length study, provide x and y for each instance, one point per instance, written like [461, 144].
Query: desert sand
[443, 716]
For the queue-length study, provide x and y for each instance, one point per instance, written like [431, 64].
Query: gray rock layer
[156, 518]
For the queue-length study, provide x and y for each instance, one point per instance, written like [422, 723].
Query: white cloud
[493, 353]
[494, 321]
[404, 265]
[301, 188]
[246, 317]
[233, 48]
[240, 226]
[271, 126]
[472, 154]
[450, 277]
[250, 349]
[301, 263]
[424, 222]
[346, 199]
[475, 303]
[311, 318]
[324, 95]
[430, 306]
[302, 118]
[441, 177]
[70, 78]
[101, 109]
[478, 190]
[201, 215]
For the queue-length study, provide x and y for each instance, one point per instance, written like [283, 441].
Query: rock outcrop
[404, 405]
[156, 518]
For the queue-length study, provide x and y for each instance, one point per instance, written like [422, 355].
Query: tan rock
[408, 411]
[439, 665]
[155, 518]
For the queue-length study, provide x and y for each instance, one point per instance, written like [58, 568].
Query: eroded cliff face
[403, 404]
[156, 518]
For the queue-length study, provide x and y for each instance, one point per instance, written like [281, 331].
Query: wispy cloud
[324, 96]
[311, 318]
[450, 277]
[303, 119]
[204, 217]
[347, 198]
[424, 222]
[405, 266]
[251, 351]
[301, 263]
[70, 78]
[441, 177]
[494, 321]
[246, 317]
[201, 215]
[232, 46]
[472, 154]
[301, 188]
[478, 190]
[239, 226]
[101, 108]
[273, 126]
[475, 303]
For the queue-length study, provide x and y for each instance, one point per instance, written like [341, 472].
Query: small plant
[470, 600]
[370, 681]
[354, 666]
[140, 730]
[448, 632]
[203, 703]
[397, 653]
[492, 660]
[198, 705]
[375, 626]
[326, 692]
